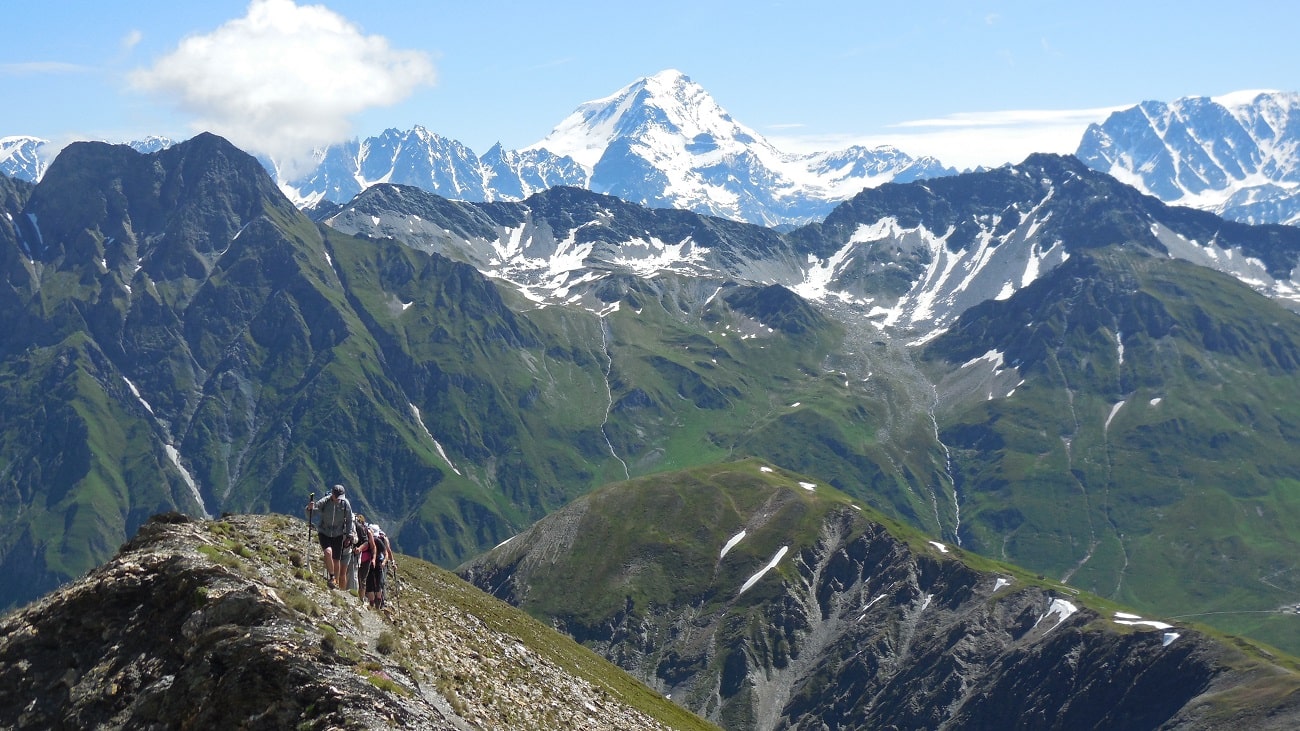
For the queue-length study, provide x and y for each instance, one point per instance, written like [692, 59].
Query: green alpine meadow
[762, 599]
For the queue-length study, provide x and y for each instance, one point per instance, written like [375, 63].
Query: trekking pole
[311, 507]
[390, 580]
[391, 587]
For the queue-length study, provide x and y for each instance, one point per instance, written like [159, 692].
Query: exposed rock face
[1232, 155]
[854, 626]
[221, 625]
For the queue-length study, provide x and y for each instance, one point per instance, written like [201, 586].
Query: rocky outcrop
[225, 624]
[853, 625]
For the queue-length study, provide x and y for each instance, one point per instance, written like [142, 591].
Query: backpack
[381, 549]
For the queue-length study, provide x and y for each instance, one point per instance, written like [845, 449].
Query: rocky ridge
[221, 624]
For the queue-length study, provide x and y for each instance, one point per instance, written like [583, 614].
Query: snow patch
[1062, 609]
[808, 486]
[821, 273]
[1134, 620]
[942, 548]
[765, 469]
[731, 543]
[869, 605]
[770, 565]
[136, 392]
[415, 411]
[1001, 582]
[993, 356]
[175, 457]
[1113, 410]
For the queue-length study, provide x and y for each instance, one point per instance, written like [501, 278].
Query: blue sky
[970, 82]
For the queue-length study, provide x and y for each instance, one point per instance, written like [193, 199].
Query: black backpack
[381, 550]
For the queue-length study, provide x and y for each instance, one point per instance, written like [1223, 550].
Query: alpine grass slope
[763, 599]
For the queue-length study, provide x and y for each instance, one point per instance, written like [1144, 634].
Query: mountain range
[662, 141]
[1027, 362]
[1234, 155]
[1035, 365]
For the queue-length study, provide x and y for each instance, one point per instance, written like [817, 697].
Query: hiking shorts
[334, 543]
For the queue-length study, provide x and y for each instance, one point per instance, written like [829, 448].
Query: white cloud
[283, 80]
[968, 140]
[35, 68]
[132, 39]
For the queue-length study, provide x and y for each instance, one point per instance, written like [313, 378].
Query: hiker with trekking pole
[362, 553]
[381, 560]
[336, 525]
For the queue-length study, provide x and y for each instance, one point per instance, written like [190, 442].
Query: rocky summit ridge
[222, 624]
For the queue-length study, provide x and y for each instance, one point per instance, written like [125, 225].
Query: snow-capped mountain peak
[21, 157]
[1237, 155]
[666, 111]
[663, 141]
[26, 158]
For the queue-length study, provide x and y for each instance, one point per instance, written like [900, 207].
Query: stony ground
[226, 624]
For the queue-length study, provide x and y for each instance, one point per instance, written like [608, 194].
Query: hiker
[335, 524]
[352, 549]
[362, 553]
[381, 558]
